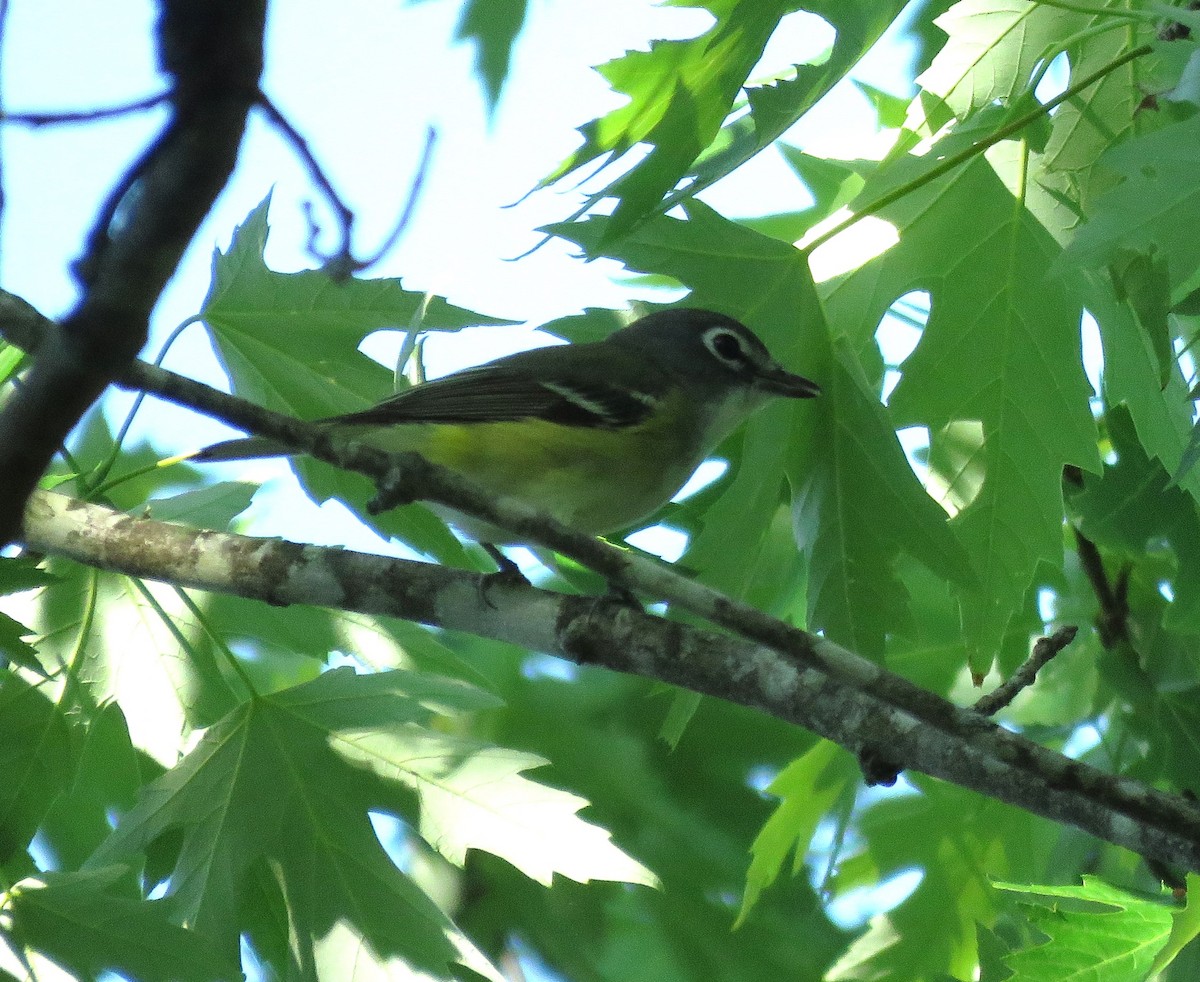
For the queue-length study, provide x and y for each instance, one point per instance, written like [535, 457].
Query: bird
[597, 435]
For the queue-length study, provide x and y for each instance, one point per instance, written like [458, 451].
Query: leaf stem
[1082, 8]
[97, 492]
[976, 148]
[98, 479]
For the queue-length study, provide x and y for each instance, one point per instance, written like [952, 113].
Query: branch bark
[957, 745]
[213, 51]
[900, 723]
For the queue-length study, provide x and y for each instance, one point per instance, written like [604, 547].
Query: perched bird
[597, 435]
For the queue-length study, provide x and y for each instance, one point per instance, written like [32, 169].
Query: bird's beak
[781, 382]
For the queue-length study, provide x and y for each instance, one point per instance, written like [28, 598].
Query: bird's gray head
[711, 349]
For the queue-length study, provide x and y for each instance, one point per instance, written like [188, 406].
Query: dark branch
[1112, 622]
[414, 195]
[213, 52]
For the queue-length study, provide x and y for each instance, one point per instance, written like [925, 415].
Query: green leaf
[745, 545]
[36, 761]
[775, 107]
[1128, 502]
[138, 474]
[1102, 114]
[680, 92]
[1141, 281]
[1001, 348]
[342, 700]
[961, 833]
[890, 110]
[148, 651]
[1132, 504]
[267, 784]
[14, 648]
[1162, 417]
[107, 779]
[1189, 458]
[863, 473]
[18, 574]
[687, 813]
[289, 341]
[474, 796]
[12, 359]
[1142, 213]
[88, 927]
[992, 951]
[684, 704]
[993, 49]
[594, 324]
[1120, 943]
[807, 789]
[1185, 926]
[833, 183]
[212, 507]
[493, 25]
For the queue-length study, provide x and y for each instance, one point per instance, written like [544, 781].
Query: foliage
[181, 775]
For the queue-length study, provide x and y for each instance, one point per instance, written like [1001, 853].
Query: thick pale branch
[958, 746]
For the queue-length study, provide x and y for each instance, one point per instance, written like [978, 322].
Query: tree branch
[213, 52]
[965, 749]
[417, 478]
[1043, 651]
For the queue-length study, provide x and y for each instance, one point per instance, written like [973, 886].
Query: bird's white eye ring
[725, 346]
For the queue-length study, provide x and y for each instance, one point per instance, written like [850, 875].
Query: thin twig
[345, 217]
[341, 263]
[1045, 649]
[85, 115]
[414, 195]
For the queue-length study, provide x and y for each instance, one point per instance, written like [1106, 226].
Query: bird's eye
[726, 345]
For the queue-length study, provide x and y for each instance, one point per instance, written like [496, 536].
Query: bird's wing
[522, 386]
